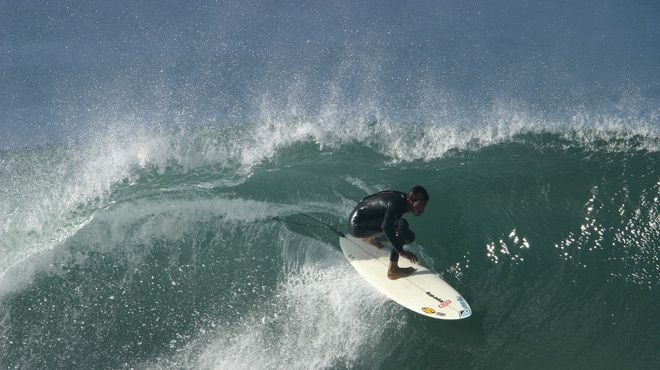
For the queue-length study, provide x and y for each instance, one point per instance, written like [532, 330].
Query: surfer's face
[417, 207]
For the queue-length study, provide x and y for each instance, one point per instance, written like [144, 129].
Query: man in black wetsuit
[379, 215]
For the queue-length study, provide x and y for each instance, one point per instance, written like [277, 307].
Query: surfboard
[423, 292]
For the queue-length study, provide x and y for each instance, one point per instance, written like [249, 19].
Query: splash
[321, 315]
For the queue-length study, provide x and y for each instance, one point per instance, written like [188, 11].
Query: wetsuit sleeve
[389, 228]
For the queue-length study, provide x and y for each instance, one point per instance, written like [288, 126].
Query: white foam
[136, 222]
[321, 315]
[430, 131]
[50, 204]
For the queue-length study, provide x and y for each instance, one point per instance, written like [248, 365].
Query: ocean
[159, 161]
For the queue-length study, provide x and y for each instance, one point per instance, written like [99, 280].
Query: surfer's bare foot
[396, 272]
[372, 242]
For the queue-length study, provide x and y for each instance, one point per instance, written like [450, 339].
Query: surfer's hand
[409, 255]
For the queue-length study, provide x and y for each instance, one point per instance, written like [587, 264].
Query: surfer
[378, 217]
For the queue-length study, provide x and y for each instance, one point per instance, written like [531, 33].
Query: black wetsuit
[380, 214]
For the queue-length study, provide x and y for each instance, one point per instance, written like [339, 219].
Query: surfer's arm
[390, 233]
[389, 229]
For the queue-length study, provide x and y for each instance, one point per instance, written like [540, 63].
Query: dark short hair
[418, 193]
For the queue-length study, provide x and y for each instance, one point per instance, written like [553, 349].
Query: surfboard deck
[423, 292]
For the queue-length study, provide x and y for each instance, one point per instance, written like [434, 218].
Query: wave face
[168, 250]
[155, 163]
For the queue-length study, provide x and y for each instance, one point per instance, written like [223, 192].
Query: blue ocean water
[155, 160]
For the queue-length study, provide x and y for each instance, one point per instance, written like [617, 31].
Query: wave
[41, 213]
[171, 234]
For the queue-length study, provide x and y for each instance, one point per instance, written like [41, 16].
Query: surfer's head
[417, 199]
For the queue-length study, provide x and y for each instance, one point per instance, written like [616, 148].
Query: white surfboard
[423, 292]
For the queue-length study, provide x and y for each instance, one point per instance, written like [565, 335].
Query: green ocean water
[167, 249]
[157, 160]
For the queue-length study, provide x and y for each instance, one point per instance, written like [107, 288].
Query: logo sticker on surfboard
[428, 310]
[466, 312]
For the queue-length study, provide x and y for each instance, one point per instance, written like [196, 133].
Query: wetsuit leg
[363, 228]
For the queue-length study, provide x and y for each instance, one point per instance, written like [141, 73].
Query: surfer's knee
[403, 232]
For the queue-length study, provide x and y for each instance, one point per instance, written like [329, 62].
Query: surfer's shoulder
[386, 196]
